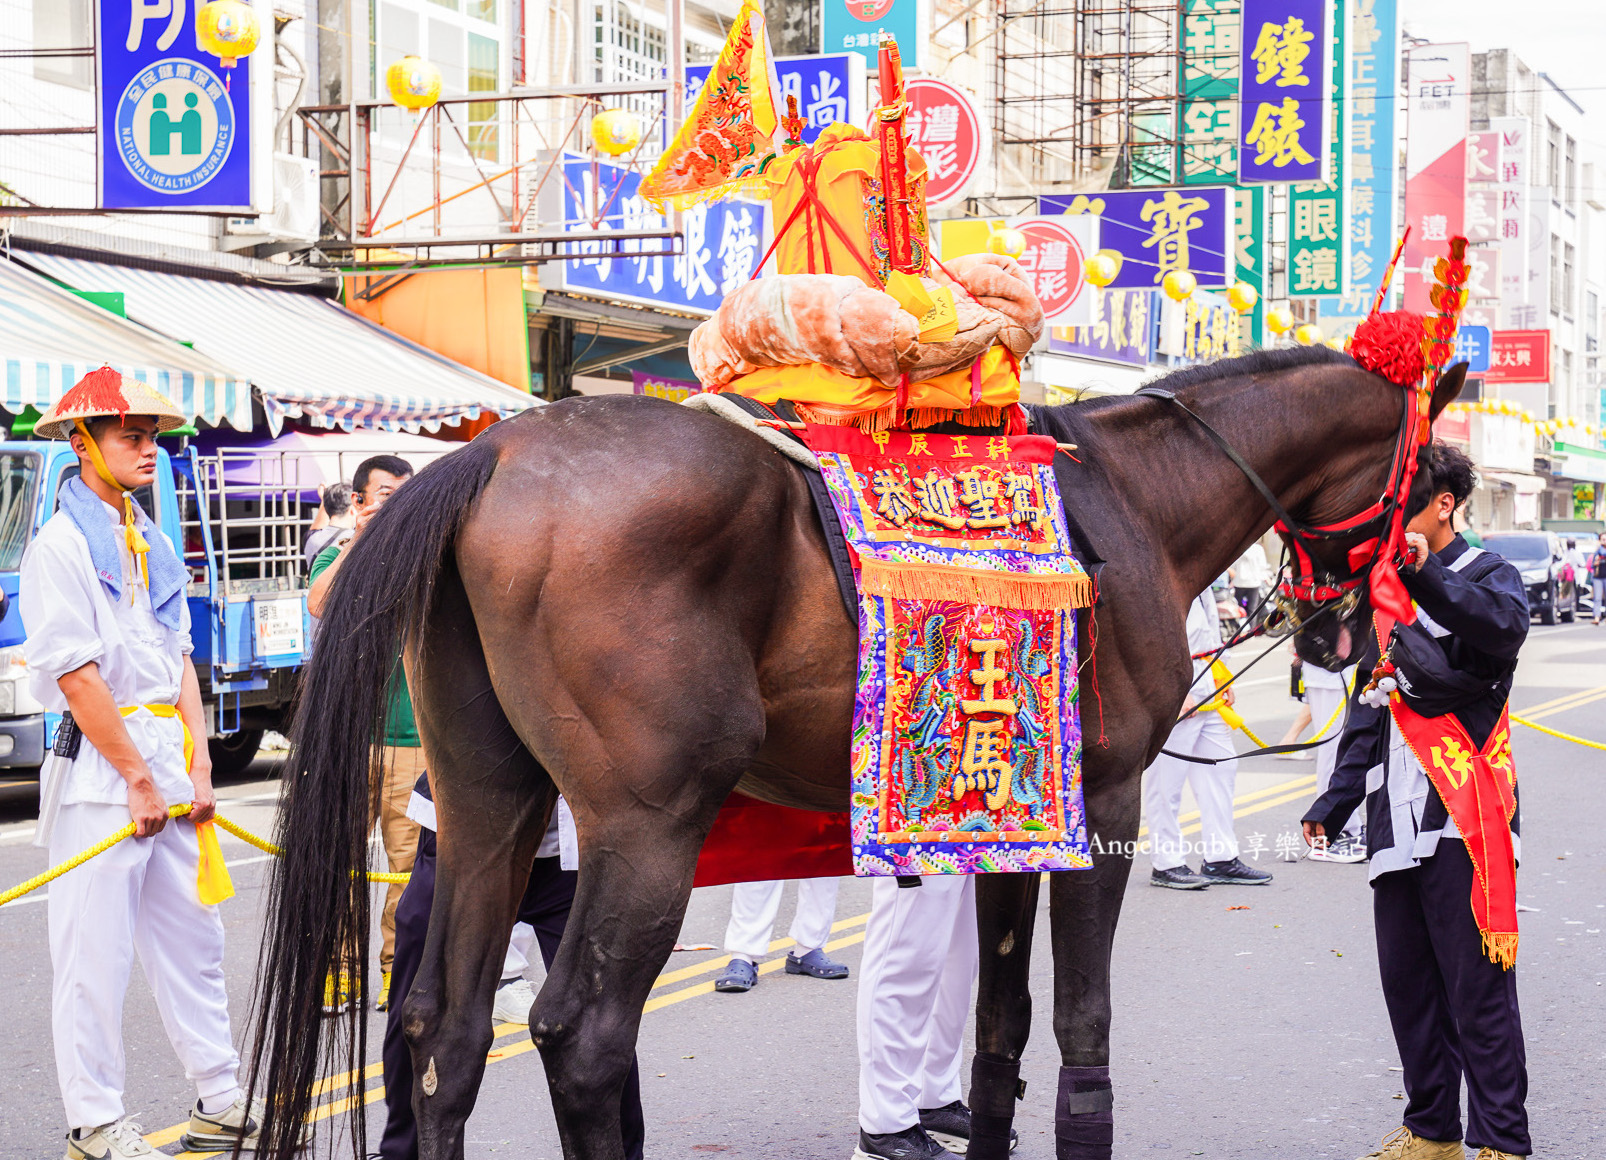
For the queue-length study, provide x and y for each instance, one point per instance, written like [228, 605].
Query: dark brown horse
[631, 602]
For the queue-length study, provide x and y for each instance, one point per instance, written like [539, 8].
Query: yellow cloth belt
[136, 542]
[212, 881]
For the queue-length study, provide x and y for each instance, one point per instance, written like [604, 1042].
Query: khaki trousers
[403, 765]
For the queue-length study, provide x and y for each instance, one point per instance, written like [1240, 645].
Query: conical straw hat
[107, 392]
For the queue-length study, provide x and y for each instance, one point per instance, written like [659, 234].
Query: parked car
[1552, 592]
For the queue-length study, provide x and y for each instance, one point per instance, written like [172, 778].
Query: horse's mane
[1253, 363]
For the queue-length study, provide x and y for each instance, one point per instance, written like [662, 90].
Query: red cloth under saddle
[753, 841]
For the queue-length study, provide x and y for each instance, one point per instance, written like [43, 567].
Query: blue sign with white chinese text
[173, 133]
[724, 242]
[1284, 119]
[1157, 231]
[858, 26]
[828, 88]
[1472, 346]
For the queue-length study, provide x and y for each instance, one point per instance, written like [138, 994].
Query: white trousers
[517, 959]
[755, 904]
[1323, 702]
[1202, 735]
[138, 896]
[915, 980]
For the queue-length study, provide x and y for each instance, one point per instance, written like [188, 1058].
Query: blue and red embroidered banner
[967, 748]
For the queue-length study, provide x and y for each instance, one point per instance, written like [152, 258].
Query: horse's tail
[318, 912]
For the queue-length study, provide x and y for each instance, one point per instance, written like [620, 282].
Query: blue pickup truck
[238, 520]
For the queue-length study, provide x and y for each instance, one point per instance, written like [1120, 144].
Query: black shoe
[909, 1144]
[1178, 878]
[1233, 873]
[949, 1126]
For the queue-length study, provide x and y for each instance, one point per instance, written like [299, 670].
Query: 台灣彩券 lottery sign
[1284, 123]
[944, 128]
[1055, 258]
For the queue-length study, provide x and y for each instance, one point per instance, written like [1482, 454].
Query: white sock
[212, 1105]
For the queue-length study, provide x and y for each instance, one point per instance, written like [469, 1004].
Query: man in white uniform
[1204, 734]
[747, 935]
[103, 602]
[1324, 693]
[920, 962]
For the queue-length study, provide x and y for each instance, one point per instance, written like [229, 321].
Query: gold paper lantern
[413, 83]
[1103, 268]
[1241, 296]
[1337, 342]
[618, 131]
[1309, 334]
[1179, 285]
[1279, 320]
[1006, 240]
[228, 29]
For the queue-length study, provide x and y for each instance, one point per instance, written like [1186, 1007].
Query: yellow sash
[212, 879]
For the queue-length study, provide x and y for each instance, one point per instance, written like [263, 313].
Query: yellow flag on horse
[728, 137]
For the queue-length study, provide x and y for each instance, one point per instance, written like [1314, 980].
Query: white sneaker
[110, 1142]
[513, 1003]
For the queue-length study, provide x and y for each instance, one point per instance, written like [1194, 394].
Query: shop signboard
[858, 26]
[1519, 356]
[1472, 346]
[1503, 443]
[1456, 427]
[1057, 249]
[175, 126]
[1513, 215]
[946, 130]
[1210, 91]
[723, 243]
[1285, 122]
[1249, 253]
[1157, 231]
[1318, 242]
[1438, 83]
[1119, 330]
[1570, 461]
[829, 87]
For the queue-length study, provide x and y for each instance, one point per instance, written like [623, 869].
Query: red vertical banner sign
[1438, 80]
[894, 168]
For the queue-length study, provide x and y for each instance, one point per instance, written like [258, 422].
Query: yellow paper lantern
[1103, 268]
[1179, 285]
[1279, 320]
[1309, 334]
[1241, 296]
[618, 131]
[413, 83]
[228, 29]
[1336, 342]
[1006, 240]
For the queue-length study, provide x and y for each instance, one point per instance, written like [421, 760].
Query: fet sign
[944, 128]
[1519, 356]
[1056, 255]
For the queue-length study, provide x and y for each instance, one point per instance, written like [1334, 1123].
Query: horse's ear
[1448, 387]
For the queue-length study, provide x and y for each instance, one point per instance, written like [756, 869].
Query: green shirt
[400, 727]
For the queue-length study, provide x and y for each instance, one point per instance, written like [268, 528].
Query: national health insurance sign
[172, 133]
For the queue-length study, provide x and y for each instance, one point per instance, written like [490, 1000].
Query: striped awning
[50, 338]
[307, 357]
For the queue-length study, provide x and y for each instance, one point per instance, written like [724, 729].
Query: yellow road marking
[1564, 704]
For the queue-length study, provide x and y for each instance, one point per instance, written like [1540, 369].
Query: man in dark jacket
[1452, 1005]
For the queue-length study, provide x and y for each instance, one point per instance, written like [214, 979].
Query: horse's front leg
[1006, 914]
[1084, 907]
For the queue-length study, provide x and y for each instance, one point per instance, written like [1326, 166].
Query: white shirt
[72, 619]
[1251, 569]
[1204, 633]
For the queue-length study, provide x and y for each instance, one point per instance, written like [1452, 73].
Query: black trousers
[1454, 1012]
[545, 906]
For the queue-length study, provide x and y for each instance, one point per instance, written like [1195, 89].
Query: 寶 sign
[828, 88]
[944, 128]
[1158, 231]
[1284, 124]
[858, 26]
[172, 133]
[722, 246]
[1318, 242]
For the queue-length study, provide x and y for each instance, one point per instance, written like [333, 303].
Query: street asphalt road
[1247, 1021]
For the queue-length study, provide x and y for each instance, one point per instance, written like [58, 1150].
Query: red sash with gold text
[1478, 788]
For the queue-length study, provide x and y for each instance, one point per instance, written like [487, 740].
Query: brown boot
[1496, 1154]
[1404, 1144]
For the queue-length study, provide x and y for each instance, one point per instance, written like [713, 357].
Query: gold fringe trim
[888, 417]
[920, 581]
[1501, 949]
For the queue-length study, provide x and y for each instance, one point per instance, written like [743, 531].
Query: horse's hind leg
[1006, 914]
[491, 798]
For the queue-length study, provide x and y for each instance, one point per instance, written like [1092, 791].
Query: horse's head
[1345, 522]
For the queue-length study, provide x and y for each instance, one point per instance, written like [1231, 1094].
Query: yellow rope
[1556, 732]
[127, 831]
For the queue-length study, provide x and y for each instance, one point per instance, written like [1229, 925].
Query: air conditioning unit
[295, 199]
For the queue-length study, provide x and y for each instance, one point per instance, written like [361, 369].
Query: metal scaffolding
[1087, 93]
